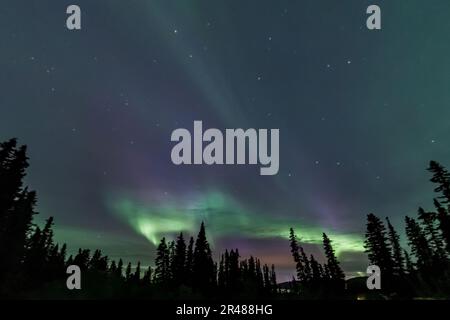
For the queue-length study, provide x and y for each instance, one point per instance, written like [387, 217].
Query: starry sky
[360, 114]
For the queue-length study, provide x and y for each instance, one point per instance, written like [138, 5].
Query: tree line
[32, 265]
[31, 260]
[423, 267]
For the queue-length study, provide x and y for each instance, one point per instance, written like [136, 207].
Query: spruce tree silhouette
[429, 222]
[203, 265]
[147, 278]
[397, 251]
[113, 267]
[189, 262]
[316, 270]
[419, 245]
[444, 224]
[162, 263]
[119, 270]
[301, 268]
[377, 245]
[137, 273]
[16, 213]
[307, 272]
[128, 272]
[179, 261]
[335, 270]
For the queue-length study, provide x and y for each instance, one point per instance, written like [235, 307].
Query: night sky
[360, 114]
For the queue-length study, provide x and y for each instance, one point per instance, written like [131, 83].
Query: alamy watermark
[241, 146]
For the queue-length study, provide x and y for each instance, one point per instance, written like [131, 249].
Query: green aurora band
[224, 217]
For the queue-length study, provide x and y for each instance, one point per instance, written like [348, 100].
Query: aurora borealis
[360, 115]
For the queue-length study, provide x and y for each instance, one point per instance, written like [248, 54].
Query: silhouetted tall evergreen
[16, 211]
[304, 273]
[307, 272]
[147, 278]
[190, 262]
[162, 263]
[334, 268]
[444, 224]
[128, 272]
[296, 254]
[119, 269]
[397, 251]
[137, 273]
[273, 278]
[429, 221]
[203, 265]
[419, 245]
[316, 269]
[113, 267]
[377, 244]
[179, 261]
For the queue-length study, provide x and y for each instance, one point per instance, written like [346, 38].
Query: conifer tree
[189, 261]
[266, 276]
[128, 272]
[273, 279]
[147, 279]
[203, 265]
[315, 268]
[179, 261]
[335, 270]
[444, 224]
[113, 267]
[16, 208]
[429, 221]
[137, 273]
[119, 269]
[377, 244]
[397, 256]
[419, 244]
[162, 262]
[295, 251]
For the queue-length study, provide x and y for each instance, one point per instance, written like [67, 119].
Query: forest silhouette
[33, 266]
